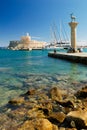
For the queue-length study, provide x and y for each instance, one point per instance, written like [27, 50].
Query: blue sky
[17, 17]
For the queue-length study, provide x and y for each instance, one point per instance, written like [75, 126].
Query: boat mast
[60, 34]
[63, 35]
[54, 34]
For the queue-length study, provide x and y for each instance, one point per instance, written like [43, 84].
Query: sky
[36, 17]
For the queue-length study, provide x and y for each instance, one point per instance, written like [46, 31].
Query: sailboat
[62, 43]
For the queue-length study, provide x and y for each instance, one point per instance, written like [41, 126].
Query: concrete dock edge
[73, 57]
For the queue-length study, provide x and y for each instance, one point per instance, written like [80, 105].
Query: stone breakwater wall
[73, 57]
[53, 109]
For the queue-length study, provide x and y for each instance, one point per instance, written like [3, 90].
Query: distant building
[13, 44]
[26, 44]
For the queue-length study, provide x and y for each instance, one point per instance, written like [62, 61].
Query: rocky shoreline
[52, 109]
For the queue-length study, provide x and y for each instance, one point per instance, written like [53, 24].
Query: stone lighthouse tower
[73, 25]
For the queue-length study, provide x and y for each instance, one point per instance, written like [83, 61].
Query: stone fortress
[25, 43]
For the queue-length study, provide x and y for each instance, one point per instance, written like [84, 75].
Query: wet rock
[35, 110]
[26, 125]
[62, 128]
[70, 129]
[66, 103]
[38, 124]
[17, 101]
[47, 104]
[82, 93]
[7, 123]
[30, 92]
[45, 111]
[55, 127]
[76, 119]
[84, 103]
[66, 110]
[35, 113]
[55, 93]
[57, 117]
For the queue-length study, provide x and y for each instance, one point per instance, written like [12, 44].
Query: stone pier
[73, 57]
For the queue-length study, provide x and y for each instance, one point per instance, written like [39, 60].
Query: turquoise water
[20, 70]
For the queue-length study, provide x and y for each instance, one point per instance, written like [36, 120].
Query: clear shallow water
[20, 70]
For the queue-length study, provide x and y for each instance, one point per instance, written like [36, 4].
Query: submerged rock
[30, 92]
[17, 101]
[55, 93]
